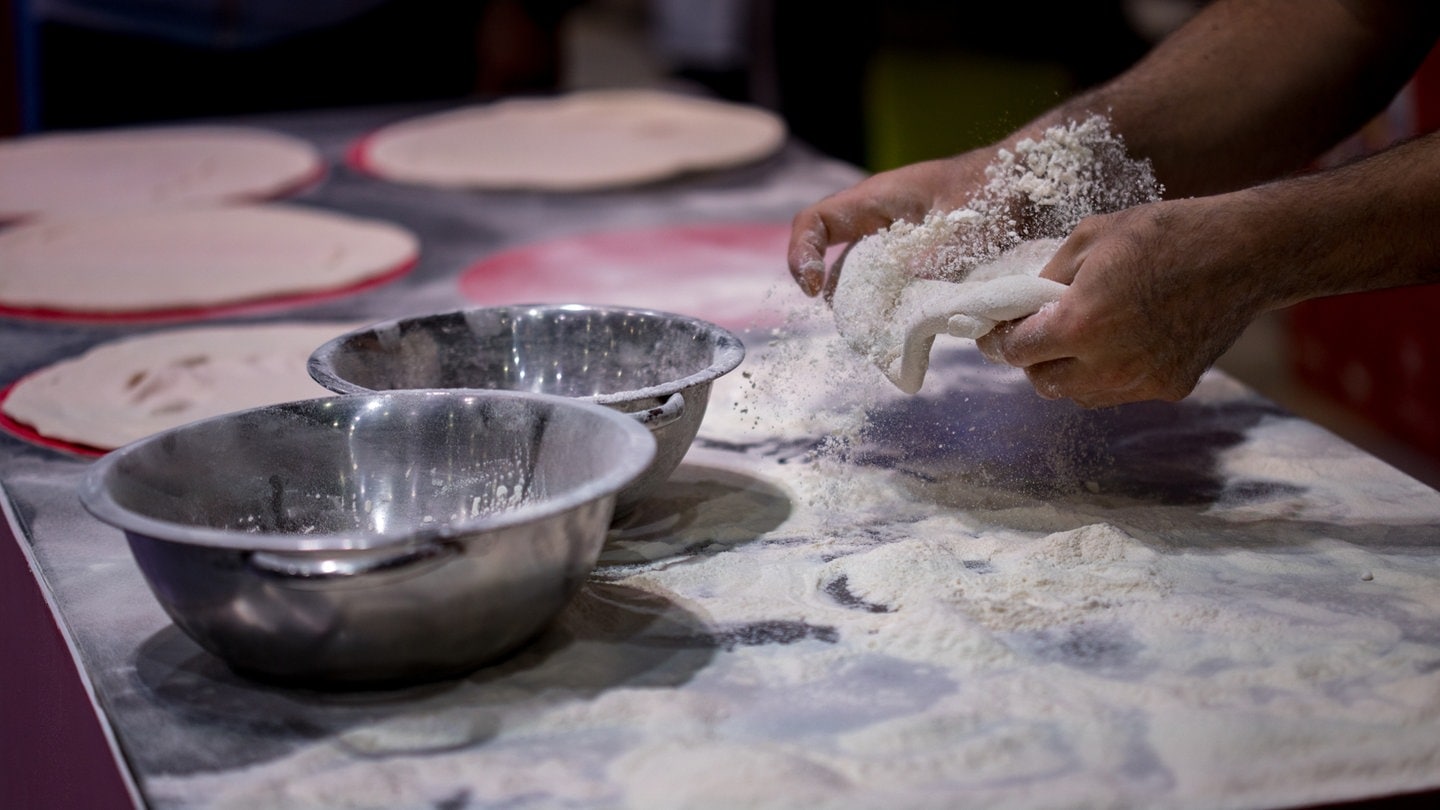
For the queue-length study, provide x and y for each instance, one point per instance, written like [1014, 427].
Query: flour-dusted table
[844, 598]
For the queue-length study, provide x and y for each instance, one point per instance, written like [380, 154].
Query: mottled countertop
[845, 597]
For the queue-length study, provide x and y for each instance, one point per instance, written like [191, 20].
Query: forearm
[1366, 226]
[1253, 89]
[1157, 292]
[1249, 91]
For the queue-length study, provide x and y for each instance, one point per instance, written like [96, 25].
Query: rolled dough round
[154, 261]
[130, 388]
[582, 141]
[67, 173]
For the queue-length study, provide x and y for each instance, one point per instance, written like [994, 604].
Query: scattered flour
[884, 651]
[671, 776]
[1074, 171]
[907, 647]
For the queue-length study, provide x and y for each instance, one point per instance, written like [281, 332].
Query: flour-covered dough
[577, 142]
[164, 260]
[67, 173]
[961, 272]
[127, 389]
[891, 317]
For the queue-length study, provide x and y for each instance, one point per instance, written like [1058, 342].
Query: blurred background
[874, 84]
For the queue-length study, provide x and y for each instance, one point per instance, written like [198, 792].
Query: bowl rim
[634, 458]
[728, 354]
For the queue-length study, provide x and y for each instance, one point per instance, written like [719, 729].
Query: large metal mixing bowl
[371, 538]
[656, 366]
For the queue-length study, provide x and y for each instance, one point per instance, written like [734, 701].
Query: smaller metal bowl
[656, 366]
[372, 538]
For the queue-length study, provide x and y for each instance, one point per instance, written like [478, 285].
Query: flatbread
[130, 388]
[166, 260]
[66, 173]
[577, 142]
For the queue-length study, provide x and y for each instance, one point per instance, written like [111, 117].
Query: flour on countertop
[859, 636]
[802, 624]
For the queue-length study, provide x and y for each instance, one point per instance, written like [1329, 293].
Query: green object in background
[921, 105]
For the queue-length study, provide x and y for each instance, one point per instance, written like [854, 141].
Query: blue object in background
[27, 80]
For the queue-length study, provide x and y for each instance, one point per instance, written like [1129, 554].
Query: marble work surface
[844, 598]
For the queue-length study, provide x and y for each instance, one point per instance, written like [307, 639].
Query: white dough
[961, 272]
[892, 318]
[127, 389]
[158, 260]
[67, 173]
[576, 142]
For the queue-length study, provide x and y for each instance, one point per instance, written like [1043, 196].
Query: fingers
[844, 217]
[841, 219]
[1031, 340]
[1065, 264]
[1092, 379]
[1025, 342]
[991, 344]
[1068, 378]
[1053, 378]
[809, 238]
[1073, 379]
[833, 277]
[1128, 328]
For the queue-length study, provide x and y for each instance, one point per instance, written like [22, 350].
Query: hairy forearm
[1253, 89]
[1369, 225]
[1249, 91]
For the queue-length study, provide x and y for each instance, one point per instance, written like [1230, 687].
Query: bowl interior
[571, 351]
[354, 471]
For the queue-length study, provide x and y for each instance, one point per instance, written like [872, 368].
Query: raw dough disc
[155, 261]
[125, 169]
[577, 142]
[127, 389]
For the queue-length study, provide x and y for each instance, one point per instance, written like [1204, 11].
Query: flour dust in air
[956, 273]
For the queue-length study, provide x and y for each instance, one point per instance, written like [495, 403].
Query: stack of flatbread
[137, 225]
[142, 223]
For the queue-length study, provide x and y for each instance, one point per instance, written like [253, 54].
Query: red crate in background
[1377, 354]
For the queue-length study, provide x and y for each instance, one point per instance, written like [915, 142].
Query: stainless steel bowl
[371, 538]
[656, 366]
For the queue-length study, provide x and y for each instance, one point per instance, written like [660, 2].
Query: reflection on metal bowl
[371, 538]
[656, 366]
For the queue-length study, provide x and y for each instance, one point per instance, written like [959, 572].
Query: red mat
[731, 274]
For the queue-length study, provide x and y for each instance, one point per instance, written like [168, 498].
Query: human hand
[907, 193]
[1156, 294]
